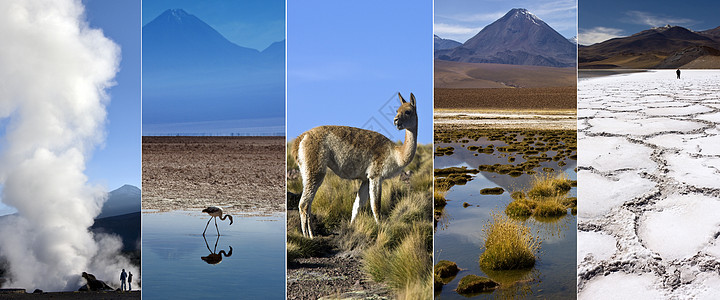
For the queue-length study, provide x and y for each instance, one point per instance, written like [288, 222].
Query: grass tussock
[509, 245]
[492, 191]
[444, 272]
[302, 247]
[471, 284]
[398, 251]
[546, 197]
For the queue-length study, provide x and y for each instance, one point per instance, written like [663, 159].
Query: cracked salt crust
[649, 186]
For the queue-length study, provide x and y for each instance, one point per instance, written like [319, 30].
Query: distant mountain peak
[175, 15]
[520, 38]
[524, 13]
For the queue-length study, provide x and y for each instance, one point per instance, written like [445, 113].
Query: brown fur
[353, 153]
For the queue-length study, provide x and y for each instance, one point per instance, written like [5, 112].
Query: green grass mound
[520, 208]
[475, 284]
[492, 191]
[509, 245]
[442, 151]
[547, 197]
[446, 268]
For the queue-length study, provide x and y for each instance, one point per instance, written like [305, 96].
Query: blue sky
[603, 20]
[249, 23]
[347, 60]
[118, 162]
[461, 19]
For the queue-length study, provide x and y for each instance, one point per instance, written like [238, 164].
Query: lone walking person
[129, 281]
[678, 73]
[123, 276]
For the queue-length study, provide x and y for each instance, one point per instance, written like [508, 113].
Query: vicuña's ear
[412, 99]
[401, 98]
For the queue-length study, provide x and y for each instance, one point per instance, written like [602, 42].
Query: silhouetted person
[123, 276]
[678, 73]
[129, 281]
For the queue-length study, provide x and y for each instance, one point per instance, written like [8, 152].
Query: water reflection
[215, 257]
[458, 237]
[514, 284]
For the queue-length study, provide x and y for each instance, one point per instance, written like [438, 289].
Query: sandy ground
[447, 119]
[452, 74]
[544, 98]
[243, 175]
[73, 295]
[648, 186]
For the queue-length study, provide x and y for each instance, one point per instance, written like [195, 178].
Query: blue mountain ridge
[191, 73]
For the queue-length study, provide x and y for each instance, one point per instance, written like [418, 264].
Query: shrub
[508, 244]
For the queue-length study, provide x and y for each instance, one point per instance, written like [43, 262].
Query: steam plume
[54, 71]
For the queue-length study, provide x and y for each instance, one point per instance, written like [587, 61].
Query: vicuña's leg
[362, 197]
[375, 194]
[311, 183]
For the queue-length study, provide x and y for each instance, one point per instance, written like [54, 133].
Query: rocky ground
[649, 186]
[71, 295]
[243, 175]
[333, 277]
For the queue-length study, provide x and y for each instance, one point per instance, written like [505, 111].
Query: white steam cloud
[54, 71]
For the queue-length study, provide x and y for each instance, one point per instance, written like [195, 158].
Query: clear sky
[602, 20]
[249, 23]
[118, 162]
[460, 20]
[347, 60]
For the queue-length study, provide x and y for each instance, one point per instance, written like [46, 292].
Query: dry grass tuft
[547, 197]
[399, 250]
[509, 244]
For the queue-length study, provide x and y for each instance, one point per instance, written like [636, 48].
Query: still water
[246, 262]
[458, 236]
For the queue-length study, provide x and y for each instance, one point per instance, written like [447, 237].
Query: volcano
[192, 73]
[518, 38]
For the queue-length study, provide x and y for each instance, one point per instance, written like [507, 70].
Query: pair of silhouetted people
[678, 73]
[124, 276]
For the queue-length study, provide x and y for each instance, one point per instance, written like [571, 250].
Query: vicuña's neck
[407, 150]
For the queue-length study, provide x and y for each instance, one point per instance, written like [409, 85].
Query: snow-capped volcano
[518, 38]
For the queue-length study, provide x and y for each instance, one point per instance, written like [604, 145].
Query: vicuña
[354, 153]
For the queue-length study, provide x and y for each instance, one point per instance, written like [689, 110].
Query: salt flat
[649, 185]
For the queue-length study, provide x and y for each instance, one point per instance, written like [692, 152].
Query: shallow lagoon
[458, 236]
[173, 268]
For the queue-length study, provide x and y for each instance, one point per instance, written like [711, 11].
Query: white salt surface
[621, 286]
[614, 153]
[695, 171]
[596, 244]
[680, 225]
[598, 194]
[666, 157]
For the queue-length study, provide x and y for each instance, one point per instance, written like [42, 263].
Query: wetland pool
[458, 236]
[179, 263]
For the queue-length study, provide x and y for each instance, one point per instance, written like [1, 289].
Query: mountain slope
[442, 44]
[124, 200]
[660, 47]
[191, 73]
[518, 38]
